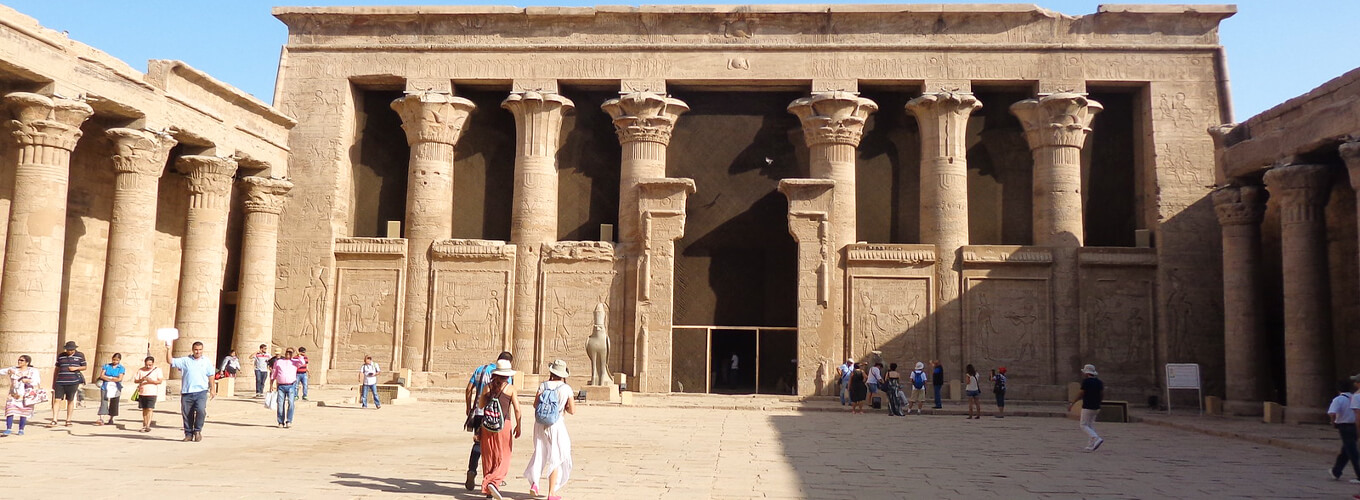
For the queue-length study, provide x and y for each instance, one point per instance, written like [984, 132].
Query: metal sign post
[1183, 376]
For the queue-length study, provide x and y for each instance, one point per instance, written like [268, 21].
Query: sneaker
[533, 491]
[1336, 476]
[7, 432]
[495, 493]
[21, 432]
[1097, 444]
[1353, 481]
[471, 480]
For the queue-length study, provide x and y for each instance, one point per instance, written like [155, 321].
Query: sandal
[68, 423]
[100, 422]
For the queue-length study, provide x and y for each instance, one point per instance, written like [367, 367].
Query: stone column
[125, 313]
[661, 207]
[44, 130]
[1056, 127]
[533, 221]
[1308, 360]
[264, 202]
[433, 122]
[821, 344]
[1350, 153]
[204, 257]
[643, 122]
[943, 120]
[1240, 211]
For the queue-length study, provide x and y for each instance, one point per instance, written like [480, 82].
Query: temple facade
[756, 193]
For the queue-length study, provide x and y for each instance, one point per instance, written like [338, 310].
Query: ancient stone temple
[756, 193]
[131, 201]
[1287, 206]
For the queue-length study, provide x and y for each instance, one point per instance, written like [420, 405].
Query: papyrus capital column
[533, 220]
[264, 201]
[125, 314]
[1056, 127]
[833, 123]
[661, 208]
[205, 251]
[44, 130]
[943, 121]
[1302, 191]
[1240, 211]
[433, 123]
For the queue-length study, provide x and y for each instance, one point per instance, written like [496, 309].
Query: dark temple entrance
[765, 360]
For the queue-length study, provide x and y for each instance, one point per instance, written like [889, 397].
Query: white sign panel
[1182, 376]
[167, 335]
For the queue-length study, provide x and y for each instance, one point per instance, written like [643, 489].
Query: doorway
[765, 358]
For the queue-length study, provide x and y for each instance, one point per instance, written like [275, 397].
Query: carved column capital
[141, 152]
[209, 175]
[46, 121]
[538, 120]
[938, 106]
[644, 116]
[432, 117]
[835, 117]
[1350, 153]
[1240, 205]
[265, 195]
[1062, 119]
[1302, 190]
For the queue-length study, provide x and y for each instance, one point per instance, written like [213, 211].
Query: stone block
[529, 382]
[394, 394]
[1073, 389]
[621, 379]
[1273, 413]
[1113, 411]
[956, 390]
[226, 387]
[602, 393]
[90, 392]
[1213, 405]
[626, 398]
[406, 377]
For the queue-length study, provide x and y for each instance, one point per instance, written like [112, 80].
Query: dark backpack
[1000, 384]
[549, 409]
[492, 417]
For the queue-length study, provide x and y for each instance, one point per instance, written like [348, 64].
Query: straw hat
[920, 365]
[1089, 369]
[558, 367]
[503, 368]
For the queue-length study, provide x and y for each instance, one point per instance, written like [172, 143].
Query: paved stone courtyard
[643, 453]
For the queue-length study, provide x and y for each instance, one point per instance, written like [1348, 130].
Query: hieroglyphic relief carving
[1008, 324]
[1117, 327]
[570, 292]
[366, 317]
[472, 302]
[810, 204]
[891, 315]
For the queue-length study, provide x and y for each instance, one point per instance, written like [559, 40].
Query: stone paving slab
[418, 451]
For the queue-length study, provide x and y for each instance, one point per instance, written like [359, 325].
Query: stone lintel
[467, 249]
[1059, 86]
[809, 198]
[429, 85]
[1006, 254]
[664, 195]
[370, 246]
[542, 85]
[1117, 257]
[820, 85]
[951, 85]
[578, 251]
[913, 254]
[657, 86]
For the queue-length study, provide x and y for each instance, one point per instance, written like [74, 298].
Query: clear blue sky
[1277, 49]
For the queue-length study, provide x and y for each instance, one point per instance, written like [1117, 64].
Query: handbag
[473, 422]
[136, 394]
[269, 398]
[35, 396]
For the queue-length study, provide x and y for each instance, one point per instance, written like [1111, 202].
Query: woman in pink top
[148, 380]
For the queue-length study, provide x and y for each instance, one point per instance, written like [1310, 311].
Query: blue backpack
[918, 379]
[549, 409]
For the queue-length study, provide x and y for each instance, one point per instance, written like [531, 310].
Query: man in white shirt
[368, 382]
[1343, 415]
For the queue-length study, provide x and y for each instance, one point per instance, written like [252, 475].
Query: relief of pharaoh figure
[597, 347]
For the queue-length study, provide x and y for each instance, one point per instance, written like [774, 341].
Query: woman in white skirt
[552, 445]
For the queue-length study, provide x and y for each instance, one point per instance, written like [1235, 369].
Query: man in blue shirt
[845, 371]
[196, 388]
[476, 384]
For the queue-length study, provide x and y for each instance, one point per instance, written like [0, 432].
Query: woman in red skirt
[496, 445]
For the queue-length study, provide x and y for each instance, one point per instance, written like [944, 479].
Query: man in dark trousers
[1092, 391]
[937, 380]
[481, 377]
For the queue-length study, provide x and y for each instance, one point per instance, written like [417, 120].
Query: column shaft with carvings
[264, 202]
[661, 210]
[820, 349]
[533, 220]
[1308, 360]
[44, 131]
[1350, 153]
[1240, 211]
[1056, 127]
[643, 122]
[433, 122]
[943, 120]
[125, 313]
[204, 257]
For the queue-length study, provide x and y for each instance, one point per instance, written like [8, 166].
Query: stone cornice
[1061, 119]
[1117, 257]
[432, 117]
[207, 174]
[835, 117]
[890, 254]
[370, 246]
[46, 121]
[1006, 254]
[463, 249]
[265, 195]
[141, 152]
[644, 116]
[1239, 205]
[578, 251]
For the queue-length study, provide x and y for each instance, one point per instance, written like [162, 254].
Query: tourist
[875, 379]
[937, 380]
[110, 387]
[67, 378]
[148, 380]
[500, 426]
[859, 389]
[999, 389]
[918, 388]
[283, 378]
[195, 390]
[302, 372]
[261, 361]
[368, 382]
[892, 386]
[1343, 419]
[972, 389]
[23, 378]
[734, 375]
[1092, 390]
[552, 444]
[230, 364]
[477, 384]
[844, 381]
